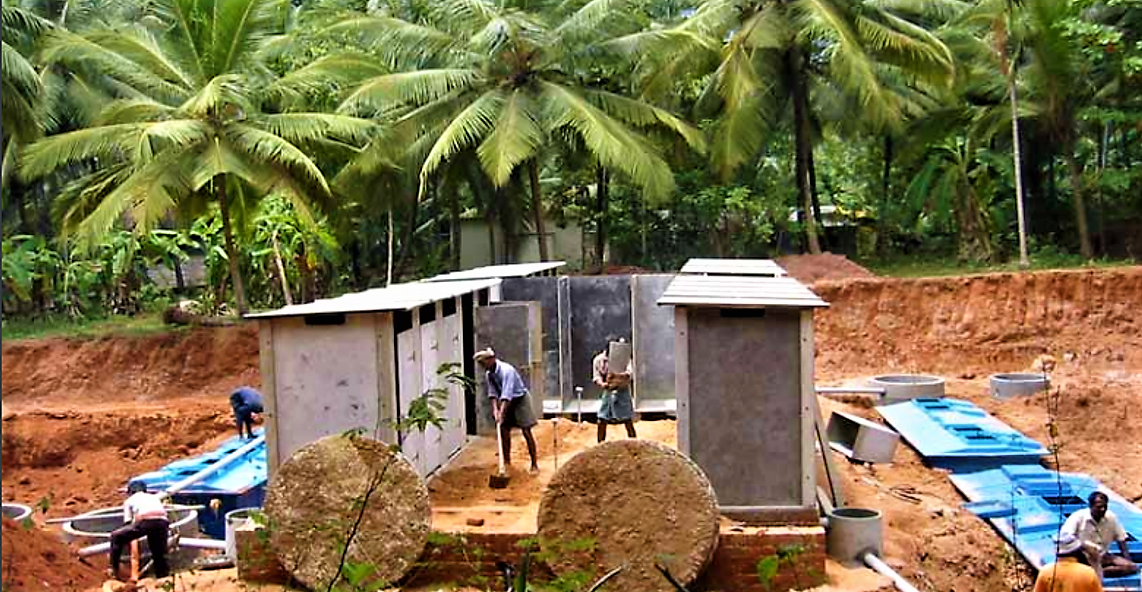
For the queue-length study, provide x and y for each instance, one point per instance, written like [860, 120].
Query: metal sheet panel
[957, 435]
[755, 267]
[739, 292]
[498, 271]
[398, 297]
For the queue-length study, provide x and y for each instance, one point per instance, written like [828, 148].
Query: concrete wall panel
[653, 333]
[744, 405]
[325, 380]
[600, 307]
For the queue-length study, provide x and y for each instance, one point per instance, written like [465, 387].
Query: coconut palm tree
[23, 92]
[197, 116]
[769, 59]
[510, 83]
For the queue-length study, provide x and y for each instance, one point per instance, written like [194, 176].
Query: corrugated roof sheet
[498, 271]
[399, 297]
[748, 267]
[744, 291]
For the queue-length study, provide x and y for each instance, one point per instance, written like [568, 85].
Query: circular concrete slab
[901, 387]
[1018, 384]
[632, 503]
[343, 488]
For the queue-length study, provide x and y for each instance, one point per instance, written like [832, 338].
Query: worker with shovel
[147, 517]
[511, 405]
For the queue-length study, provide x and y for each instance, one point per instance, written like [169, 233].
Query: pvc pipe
[883, 569]
[89, 518]
[203, 544]
[865, 390]
[208, 471]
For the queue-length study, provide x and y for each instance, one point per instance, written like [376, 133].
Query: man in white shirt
[1097, 527]
[146, 517]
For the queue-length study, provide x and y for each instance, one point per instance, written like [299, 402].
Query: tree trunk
[537, 207]
[454, 224]
[601, 205]
[886, 176]
[389, 263]
[281, 269]
[1077, 199]
[1024, 259]
[823, 234]
[231, 250]
[803, 147]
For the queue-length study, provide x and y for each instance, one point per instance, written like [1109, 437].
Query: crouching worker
[1070, 572]
[146, 517]
[1097, 527]
[247, 404]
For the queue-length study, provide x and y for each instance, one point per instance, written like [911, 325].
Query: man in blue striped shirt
[511, 403]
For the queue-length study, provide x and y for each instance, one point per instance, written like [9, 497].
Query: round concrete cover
[317, 497]
[630, 502]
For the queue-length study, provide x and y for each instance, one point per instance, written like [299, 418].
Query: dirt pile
[826, 266]
[975, 324]
[35, 560]
[58, 373]
[79, 460]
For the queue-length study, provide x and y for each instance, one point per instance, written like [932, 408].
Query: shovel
[500, 480]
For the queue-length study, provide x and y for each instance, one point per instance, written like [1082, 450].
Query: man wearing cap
[146, 517]
[511, 403]
[1070, 572]
[1096, 527]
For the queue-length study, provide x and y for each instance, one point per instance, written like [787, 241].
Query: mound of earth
[975, 324]
[79, 460]
[826, 266]
[35, 560]
[59, 373]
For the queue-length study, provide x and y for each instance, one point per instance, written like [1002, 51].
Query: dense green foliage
[294, 150]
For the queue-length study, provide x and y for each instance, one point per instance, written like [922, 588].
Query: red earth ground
[80, 417]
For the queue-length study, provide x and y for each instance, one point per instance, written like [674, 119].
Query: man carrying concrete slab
[616, 405]
[511, 404]
[1097, 527]
[246, 403]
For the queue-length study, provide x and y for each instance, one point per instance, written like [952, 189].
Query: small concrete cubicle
[355, 362]
[743, 354]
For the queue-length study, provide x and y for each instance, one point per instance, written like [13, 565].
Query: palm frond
[588, 21]
[239, 29]
[645, 115]
[398, 40]
[614, 145]
[384, 93]
[470, 126]
[19, 21]
[263, 148]
[738, 137]
[309, 127]
[132, 111]
[516, 137]
[81, 51]
[851, 66]
[215, 96]
[110, 142]
[333, 72]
